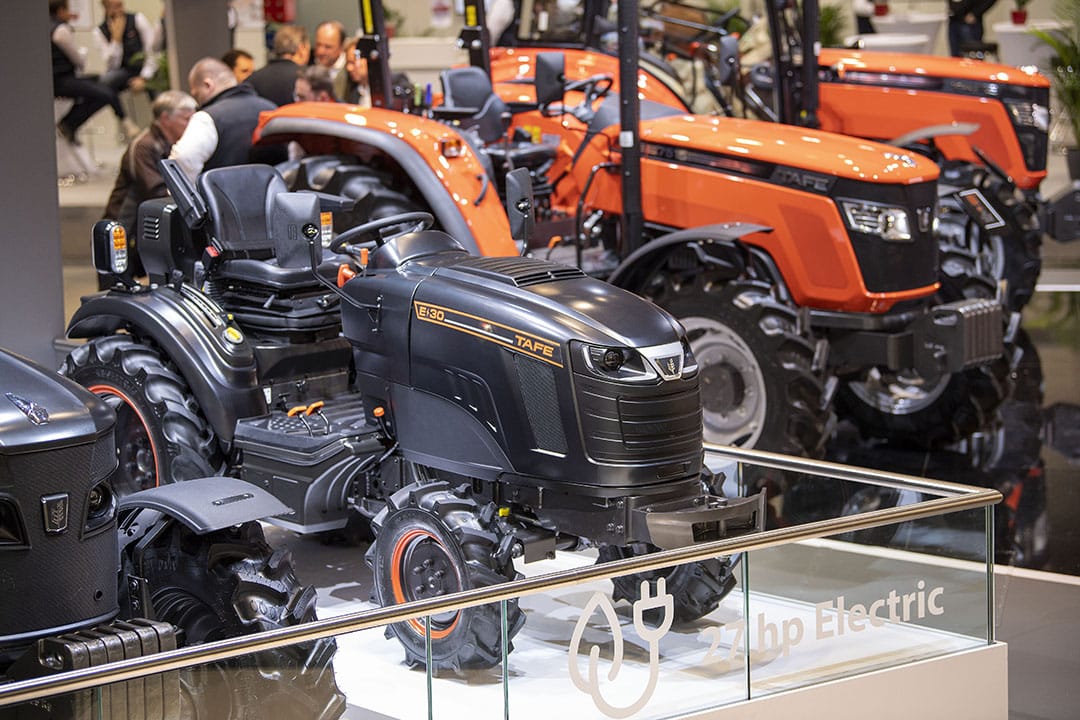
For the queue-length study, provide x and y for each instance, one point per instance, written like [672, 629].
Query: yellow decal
[515, 339]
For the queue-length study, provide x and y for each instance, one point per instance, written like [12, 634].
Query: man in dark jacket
[966, 23]
[275, 81]
[219, 134]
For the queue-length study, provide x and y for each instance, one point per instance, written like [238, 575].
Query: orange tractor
[803, 264]
[985, 124]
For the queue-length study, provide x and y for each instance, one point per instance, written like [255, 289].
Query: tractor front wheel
[431, 542]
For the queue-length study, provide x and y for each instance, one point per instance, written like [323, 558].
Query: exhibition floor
[1038, 580]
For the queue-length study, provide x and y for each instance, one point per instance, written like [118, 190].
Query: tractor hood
[41, 410]
[757, 148]
[606, 378]
[925, 67]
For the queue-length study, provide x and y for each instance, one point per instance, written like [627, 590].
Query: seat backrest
[469, 88]
[240, 201]
[465, 87]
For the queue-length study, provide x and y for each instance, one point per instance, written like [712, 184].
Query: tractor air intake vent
[517, 271]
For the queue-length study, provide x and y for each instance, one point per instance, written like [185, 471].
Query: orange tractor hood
[763, 142]
[844, 60]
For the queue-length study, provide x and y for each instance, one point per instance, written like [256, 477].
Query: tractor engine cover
[515, 368]
[58, 544]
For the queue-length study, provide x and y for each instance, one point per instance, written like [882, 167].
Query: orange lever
[293, 412]
[314, 407]
[344, 275]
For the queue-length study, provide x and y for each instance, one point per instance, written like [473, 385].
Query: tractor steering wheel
[351, 241]
[594, 88]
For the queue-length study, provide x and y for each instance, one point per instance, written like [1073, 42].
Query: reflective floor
[1033, 454]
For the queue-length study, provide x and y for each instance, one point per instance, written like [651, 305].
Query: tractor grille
[892, 266]
[623, 424]
[541, 403]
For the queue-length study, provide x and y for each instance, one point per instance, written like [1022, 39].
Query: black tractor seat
[262, 269]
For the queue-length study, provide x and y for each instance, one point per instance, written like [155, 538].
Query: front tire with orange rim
[431, 542]
[160, 435]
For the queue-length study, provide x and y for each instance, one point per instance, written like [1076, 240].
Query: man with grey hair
[139, 178]
[276, 79]
[219, 134]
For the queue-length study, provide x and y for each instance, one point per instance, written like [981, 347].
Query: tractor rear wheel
[697, 588]
[431, 542]
[759, 387]
[230, 583]
[161, 436]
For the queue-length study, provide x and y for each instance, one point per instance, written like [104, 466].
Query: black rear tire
[227, 584]
[696, 588]
[759, 387]
[430, 542]
[161, 435]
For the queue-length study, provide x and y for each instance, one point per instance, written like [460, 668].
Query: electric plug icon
[649, 602]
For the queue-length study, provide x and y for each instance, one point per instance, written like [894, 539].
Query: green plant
[1020, 4]
[832, 21]
[1065, 79]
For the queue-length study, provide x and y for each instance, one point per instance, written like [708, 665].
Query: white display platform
[694, 679]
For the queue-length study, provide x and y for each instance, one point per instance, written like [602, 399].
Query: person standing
[276, 80]
[329, 52]
[357, 91]
[313, 84]
[966, 23]
[240, 62]
[126, 41]
[68, 60]
[219, 133]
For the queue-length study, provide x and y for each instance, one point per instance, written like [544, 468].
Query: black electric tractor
[88, 577]
[471, 411]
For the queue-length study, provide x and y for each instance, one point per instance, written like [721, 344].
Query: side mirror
[112, 253]
[550, 77]
[729, 59]
[519, 205]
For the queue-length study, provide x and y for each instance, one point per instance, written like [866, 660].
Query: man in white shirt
[219, 134]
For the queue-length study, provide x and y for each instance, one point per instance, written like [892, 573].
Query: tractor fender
[636, 269]
[418, 169]
[933, 131]
[213, 357]
[207, 504]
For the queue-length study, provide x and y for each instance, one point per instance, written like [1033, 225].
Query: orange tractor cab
[803, 264]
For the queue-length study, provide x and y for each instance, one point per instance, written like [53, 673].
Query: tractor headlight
[1029, 114]
[886, 221]
[618, 363]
